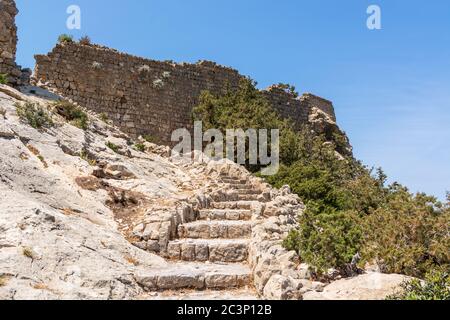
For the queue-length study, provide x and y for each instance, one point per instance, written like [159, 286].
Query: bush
[435, 287]
[85, 41]
[75, 115]
[350, 210]
[245, 108]
[326, 238]
[3, 78]
[288, 89]
[84, 155]
[104, 117]
[408, 234]
[140, 147]
[151, 139]
[34, 114]
[112, 146]
[65, 38]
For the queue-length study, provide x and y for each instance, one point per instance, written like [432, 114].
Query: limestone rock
[370, 286]
[281, 288]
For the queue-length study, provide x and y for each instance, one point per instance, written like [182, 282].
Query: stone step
[248, 197]
[199, 276]
[234, 181]
[213, 250]
[215, 229]
[230, 214]
[206, 295]
[248, 191]
[242, 205]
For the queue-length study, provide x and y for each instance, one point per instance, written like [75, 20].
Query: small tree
[288, 88]
[72, 113]
[65, 38]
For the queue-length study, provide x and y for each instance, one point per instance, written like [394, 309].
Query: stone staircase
[212, 252]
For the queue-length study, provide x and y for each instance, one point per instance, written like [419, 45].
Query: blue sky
[390, 87]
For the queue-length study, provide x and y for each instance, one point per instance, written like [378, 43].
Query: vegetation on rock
[75, 115]
[139, 147]
[288, 88]
[112, 146]
[350, 209]
[85, 40]
[65, 38]
[34, 114]
[3, 78]
[435, 287]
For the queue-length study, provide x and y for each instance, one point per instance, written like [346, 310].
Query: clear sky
[390, 87]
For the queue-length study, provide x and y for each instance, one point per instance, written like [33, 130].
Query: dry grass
[40, 286]
[28, 252]
[36, 152]
[131, 260]
[24, 156]
[68, 212]
[3, 280]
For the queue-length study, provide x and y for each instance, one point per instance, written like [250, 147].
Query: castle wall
[147, 97]
[8, 44]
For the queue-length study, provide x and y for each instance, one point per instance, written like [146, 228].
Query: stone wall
[8, 44]
[298, 109]
[147, 97]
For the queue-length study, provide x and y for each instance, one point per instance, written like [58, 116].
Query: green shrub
[3, 78]
[112, 146]
[140, 147]
[245, 108]
[104, 117]
[151, 139]
[349, 208]
[288, 88]
[65, 38]
[34, 114]
[326, 238]
[75, 115]
[85, 156]
[435, 287]
[408, 234]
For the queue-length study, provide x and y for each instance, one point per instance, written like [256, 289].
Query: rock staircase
[212, 252]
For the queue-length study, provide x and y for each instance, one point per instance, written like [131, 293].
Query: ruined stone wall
[147, 97]
[8, 44]
[310, 101]
[141, 96]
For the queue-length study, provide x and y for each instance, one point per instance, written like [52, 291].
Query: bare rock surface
[370, 286]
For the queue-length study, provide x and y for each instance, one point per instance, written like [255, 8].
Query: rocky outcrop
[323, 124]
[71, 208]
[81, 220]
[8, 42]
